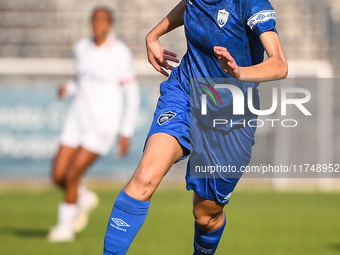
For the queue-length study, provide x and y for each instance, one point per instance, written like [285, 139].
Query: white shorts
[76, 134]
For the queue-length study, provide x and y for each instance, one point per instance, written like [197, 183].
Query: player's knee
[58, 178]
[206, 222]
[146, 178]
[72, 177]
[58, 173]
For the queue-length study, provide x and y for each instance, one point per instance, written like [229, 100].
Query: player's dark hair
[109, 12]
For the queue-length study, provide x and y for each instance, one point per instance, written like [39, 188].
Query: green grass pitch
[261, 222]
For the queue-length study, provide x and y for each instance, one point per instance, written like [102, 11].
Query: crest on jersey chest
[222, 17]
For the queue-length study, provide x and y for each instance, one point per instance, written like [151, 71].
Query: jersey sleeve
[259, 16]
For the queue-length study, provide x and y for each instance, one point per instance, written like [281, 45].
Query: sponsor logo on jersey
[222, 17]
[165, 117]
[118, 224]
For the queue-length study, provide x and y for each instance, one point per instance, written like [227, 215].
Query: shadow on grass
[24, 233]
[335, 246]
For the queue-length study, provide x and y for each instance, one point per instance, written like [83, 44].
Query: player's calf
[205, 243]
[208, 214]
[132, 204]
[210, 222]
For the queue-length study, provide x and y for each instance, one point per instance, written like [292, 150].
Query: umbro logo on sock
[203, 250]
[118, 224]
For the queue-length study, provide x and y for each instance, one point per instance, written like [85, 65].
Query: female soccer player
[226, 39]
[104, 74]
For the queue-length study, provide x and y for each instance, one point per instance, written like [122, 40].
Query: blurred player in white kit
[97, 117]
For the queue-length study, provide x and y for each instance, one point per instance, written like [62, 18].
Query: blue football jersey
[235, 25]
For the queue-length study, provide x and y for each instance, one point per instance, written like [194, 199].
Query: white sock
[67, 214]
[82, 195]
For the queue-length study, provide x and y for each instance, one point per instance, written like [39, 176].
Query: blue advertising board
[31, 119]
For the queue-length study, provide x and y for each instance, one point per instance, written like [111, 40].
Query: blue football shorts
[218, 149]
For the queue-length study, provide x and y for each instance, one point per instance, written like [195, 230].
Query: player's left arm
[273, 68]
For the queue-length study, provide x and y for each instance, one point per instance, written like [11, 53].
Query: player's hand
[62, 91]
[159, 57]
[124, 145]
[227, 62]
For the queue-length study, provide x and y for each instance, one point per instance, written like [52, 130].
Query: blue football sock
[127, 217]
[205, 243]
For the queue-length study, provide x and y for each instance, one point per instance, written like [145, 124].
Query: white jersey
[104, 75]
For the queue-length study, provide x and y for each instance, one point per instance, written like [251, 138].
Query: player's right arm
[157, 56]
[67, 89]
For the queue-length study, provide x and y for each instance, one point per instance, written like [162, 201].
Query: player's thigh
[160, 153]
[62, 162]
[207, 212]
[82, 160]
